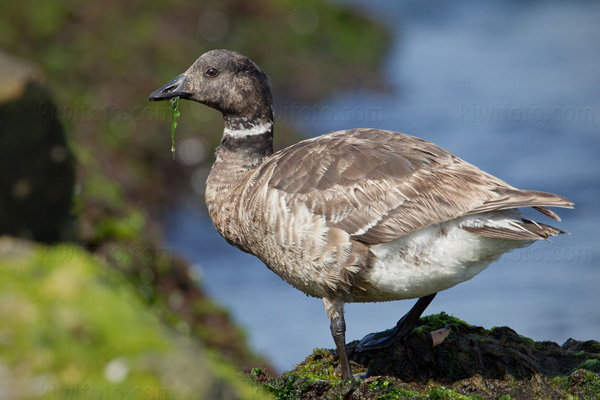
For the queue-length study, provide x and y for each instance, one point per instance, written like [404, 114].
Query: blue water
[510, 86]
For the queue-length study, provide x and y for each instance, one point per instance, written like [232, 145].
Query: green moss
[176, 113]
[386, 389]
[286, 387]
[444, 393]
[595, 348]
[581, 384]
[127, 226]
[527, 340]
[307, 380]
[434, 322]
[74, 328]
[320, 366]
[591, 365]
[561, 382]
[585, 383]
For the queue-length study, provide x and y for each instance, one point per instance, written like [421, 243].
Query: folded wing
[379, 185]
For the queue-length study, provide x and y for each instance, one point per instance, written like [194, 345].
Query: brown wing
[521, 230]
[379, 185]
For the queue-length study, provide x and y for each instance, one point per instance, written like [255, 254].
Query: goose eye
[212, 72]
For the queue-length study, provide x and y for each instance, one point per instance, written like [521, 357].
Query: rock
[472, 362]
[472, 350]
[73, 328]
[36, 165]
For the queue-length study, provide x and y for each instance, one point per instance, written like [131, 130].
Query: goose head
[226, 81]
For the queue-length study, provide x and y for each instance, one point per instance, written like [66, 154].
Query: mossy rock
[472, 363]
[71, 327]
[472, 350]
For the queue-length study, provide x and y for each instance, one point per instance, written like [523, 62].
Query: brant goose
[360, 215]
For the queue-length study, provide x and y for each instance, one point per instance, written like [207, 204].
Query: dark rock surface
[472, 363]
[37, 168]
[473, 350]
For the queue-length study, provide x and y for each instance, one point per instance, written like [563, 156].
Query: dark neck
[249, 140]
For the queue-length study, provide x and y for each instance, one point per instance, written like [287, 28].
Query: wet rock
[472, 362]
[36, 165]
[474, 351]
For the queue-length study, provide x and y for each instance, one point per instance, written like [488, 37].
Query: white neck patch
[254, 130]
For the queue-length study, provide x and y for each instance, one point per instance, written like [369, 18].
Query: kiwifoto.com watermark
[106, 392]
[508, 113]
[86, 112]
[290, 112]
[297, 113]
[558, 254]
[141, 254]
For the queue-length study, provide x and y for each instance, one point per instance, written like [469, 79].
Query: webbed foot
[405, 326]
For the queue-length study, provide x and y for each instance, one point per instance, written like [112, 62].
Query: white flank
[254, 130]
[437, 257]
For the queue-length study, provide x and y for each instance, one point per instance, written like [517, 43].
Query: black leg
[406, 324]
[338, 331]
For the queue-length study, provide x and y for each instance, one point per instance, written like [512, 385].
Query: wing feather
[379, 185]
